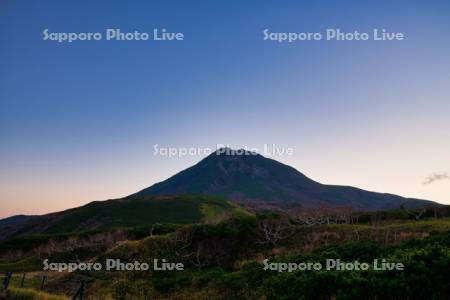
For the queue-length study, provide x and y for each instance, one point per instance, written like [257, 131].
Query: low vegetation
[227, 260]
[31, 294]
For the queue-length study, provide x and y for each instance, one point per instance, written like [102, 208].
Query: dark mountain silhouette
[13, 220]
[249, 177]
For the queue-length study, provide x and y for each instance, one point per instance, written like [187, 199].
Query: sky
[79, 121]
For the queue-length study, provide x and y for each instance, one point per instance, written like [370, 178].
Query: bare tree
[415, 213]
[95, 242]
[324, 215]
[185, 237]
[273, 230]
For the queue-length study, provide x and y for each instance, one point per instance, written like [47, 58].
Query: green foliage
[27, 242]
[30, 294]
[223, 261]
[166, 281]
[26, 264]
[364, 251]
[133, 290]
[427, 269]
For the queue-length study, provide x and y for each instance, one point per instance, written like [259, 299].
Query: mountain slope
[254, 178]
[128, 212]
[14, 220]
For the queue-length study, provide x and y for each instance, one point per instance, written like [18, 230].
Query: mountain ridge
[208, 191]
[126, 212]
[251, 177]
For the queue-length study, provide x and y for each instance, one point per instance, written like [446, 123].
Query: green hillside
[136, 211]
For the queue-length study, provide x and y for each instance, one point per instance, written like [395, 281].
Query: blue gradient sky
[78, 121]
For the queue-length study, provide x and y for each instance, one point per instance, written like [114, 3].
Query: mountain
[251, 178]
[202, 192]
[13, 220]
[127, 212]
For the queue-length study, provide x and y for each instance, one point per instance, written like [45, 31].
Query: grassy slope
[131, 214]
[214, 211]
[138, 211]
[30, 294]
[124, 213]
